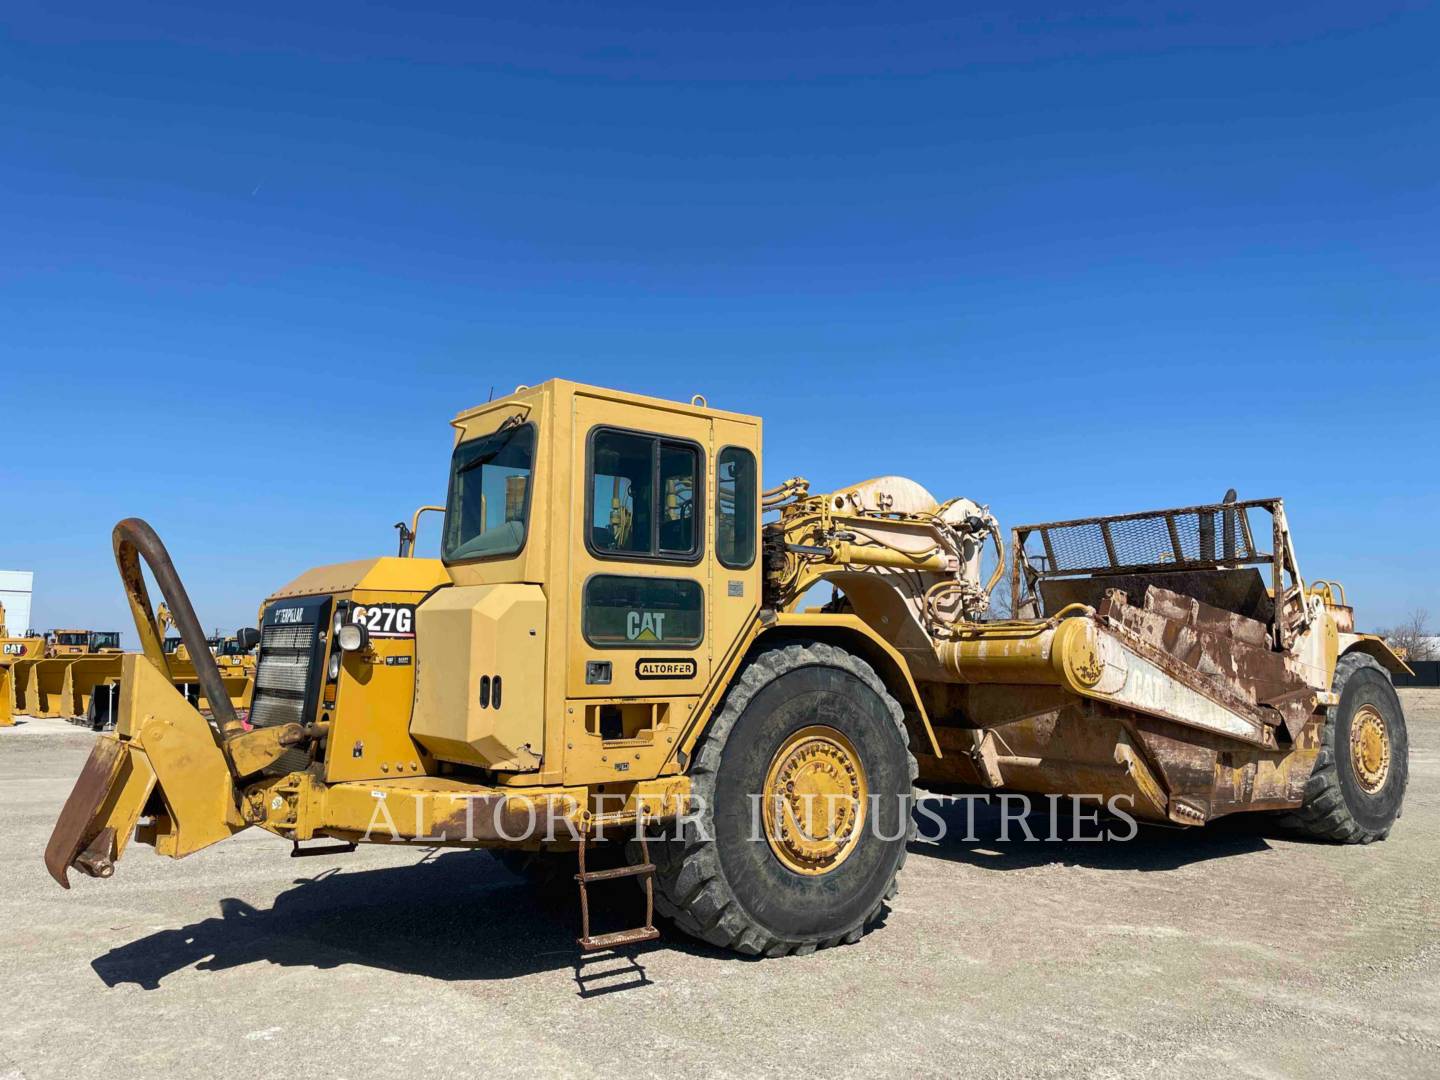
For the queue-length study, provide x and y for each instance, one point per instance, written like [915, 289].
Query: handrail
[1326, 588]
[407, 536]
[415, 523]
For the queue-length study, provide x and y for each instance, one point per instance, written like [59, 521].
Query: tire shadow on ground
[460, 916]
[990, 841]
[456, 916]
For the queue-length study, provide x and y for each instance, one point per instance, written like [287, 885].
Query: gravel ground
[1230, 952]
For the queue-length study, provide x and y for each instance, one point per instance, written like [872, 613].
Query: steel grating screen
[1194, 536]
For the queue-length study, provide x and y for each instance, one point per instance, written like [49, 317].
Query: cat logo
[645, 626]
[658, 668]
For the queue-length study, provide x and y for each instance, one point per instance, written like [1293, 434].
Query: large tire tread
[1325, 814]
[690, 889]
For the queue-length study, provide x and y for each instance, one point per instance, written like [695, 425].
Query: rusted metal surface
[1183, 694]
[1181, 594]
[1186, 765]
[1081, 749]
[1188, 532]
[1216, 779]
[1102, 659]
[1168, 772]
[1229, 651]
[69, 837]
[1228, 724]
[1216, 538]
[1261, 781]
[134, 539]
[98, 858]
[991, 705]
[645, 869]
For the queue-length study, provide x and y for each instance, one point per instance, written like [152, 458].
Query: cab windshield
[489, 502]
[105, 639]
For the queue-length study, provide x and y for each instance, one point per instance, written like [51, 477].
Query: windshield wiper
[509, 425]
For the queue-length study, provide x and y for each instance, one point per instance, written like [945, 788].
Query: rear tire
[810, 713]
[1357, 787]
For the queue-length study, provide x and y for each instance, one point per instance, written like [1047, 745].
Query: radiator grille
[283, 675]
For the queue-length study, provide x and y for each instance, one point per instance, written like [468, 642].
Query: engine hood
[387, 573]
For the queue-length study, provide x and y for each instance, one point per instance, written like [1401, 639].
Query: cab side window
[643, 496]
[678, 465]
[735, 507]
[623, 469]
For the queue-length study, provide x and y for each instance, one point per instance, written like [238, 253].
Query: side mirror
[247, 637]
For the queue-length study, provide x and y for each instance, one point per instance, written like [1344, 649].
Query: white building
[15, 588]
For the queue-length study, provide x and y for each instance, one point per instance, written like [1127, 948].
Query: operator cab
[627, 530]
[85, 641]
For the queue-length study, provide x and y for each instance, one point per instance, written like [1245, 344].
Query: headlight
[352, 637]
[333, 669]
[341, 610]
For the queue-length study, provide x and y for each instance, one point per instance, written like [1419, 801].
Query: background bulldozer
[611, 642]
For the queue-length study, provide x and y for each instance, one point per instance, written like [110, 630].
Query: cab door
[640, 560]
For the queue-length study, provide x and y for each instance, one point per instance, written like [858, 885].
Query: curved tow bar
[133, 539]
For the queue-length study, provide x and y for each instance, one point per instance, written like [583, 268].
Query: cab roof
[528, 395]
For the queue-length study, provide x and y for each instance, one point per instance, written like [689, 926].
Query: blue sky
[1062, 259]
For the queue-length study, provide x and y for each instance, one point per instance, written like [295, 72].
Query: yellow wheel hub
[815, 798]
[1370, 748]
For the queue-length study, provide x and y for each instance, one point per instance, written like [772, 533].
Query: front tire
[802, 795]
[1355, 792]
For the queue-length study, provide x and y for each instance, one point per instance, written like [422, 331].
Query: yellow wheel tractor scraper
[610, 655]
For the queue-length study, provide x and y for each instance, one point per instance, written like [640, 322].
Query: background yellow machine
[16, 654]
[235, 661]
[611, 642]
[60, 681]
[75, 674]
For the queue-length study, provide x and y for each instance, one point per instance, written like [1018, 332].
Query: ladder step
[643, 869]
[618, 938]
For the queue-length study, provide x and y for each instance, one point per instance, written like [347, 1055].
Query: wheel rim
[1370, 748]
[814, 800]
